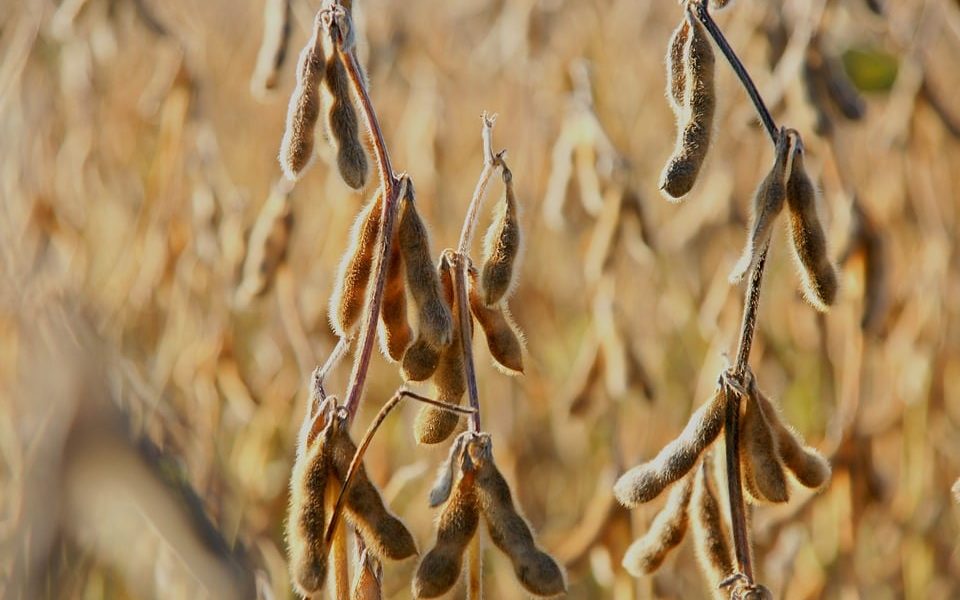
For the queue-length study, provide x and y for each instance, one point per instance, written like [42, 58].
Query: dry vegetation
[165, 296]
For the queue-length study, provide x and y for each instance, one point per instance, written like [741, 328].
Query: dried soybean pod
[384, 534]
[394, 331]
[762, 471]
[693, 139]
[367, 585]
[645, 482]
[767, 203]
[806, 233]
[269, 239]
[353, 276]
[296, 148]
[865, 239]
[502, 247]
[440, 490]
[436, 324]
[503, 339]
[342, 122]
[842, 91]
[709, 530]
[419, 361]
[306, 519]
[536, 570]
[676, 77]
[434, 425]
[441, 566]
[808, 466]
[273, 49]
[666, 532]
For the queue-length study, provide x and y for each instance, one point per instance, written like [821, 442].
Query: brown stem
[738, 517]
[388, 181]
[462, 263]
[700, 7]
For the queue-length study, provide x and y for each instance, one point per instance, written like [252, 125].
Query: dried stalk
[738, 518]
[490, 163]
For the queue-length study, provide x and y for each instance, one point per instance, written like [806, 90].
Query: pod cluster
[322, 462]
[323, 83]
[771, 453]
[788, 184]
[469, 485]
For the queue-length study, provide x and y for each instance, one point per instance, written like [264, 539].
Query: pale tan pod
[350, 294]
[503, 340]
[645, 482]
[759, 460]
[676, 77]
[537, 571]
[296, 147]
[274, 46]
[306, 518]
[666, 532]
[502, 247]
[267, 249]
[367, 584]
[808, 466]
[709, 529]
[342, 123]
[440, 568]
[809, 241]
[384, 534]
[693, 139]
[768, 201]
[443, 483]
[394, 329]
[434, 425]
[436, 324]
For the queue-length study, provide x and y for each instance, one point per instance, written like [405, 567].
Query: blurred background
[150, 392]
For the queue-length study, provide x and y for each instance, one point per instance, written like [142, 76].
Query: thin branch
[340, 21]
[700, 6]
[368, 437]
[490, 162]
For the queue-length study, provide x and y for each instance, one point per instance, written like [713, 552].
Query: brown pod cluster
[645, 482]
[306, 518]
[394, 330]
[384, 534]
[808, 466]
[353, 277]
[296, 148]
[763, 476]
[267, 248]
[709, 529]
[434, 425]
[502, 247]
[274, 46]
[695, 123]
[436, 324]
[666, 532]
[440, 568]
[768, 201]
[342, 123]
[809, 241]
[537, 571]
[503, 338]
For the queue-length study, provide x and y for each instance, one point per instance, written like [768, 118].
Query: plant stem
[474, 572]
[490, 163]
[738, 517]
[700, 6]
[388, 182]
